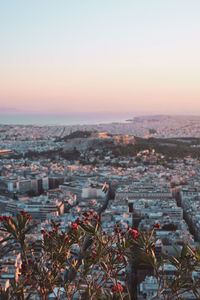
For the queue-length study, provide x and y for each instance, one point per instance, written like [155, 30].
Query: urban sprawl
[57, 172]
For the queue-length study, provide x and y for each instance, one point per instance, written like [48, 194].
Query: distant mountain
[165, 117]
[7, 110]
[10, 110]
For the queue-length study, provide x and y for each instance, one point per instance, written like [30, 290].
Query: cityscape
[57, 172]
[99, 150]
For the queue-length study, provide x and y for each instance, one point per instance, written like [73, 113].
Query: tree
[88, 262]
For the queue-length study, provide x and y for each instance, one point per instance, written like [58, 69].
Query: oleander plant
[85, 262]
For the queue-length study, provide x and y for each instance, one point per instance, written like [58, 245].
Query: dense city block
[58, 173]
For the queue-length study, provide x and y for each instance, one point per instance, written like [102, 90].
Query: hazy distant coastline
[24, 119]
[90, 119]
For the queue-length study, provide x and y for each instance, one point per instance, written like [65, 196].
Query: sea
[30, 119]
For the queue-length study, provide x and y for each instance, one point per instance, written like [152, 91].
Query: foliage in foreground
[84, 262]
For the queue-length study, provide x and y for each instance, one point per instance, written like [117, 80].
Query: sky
[100, 56]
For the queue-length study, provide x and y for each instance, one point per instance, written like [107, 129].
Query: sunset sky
[109, 56]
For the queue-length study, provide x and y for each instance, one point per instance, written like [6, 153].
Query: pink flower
[117, 288]
[122, 259]
[96, 217]
[74, 225]
[78, 221]
[157, 225]
[29, 217]
[93, 257]
[133, 233]
[95, 252]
